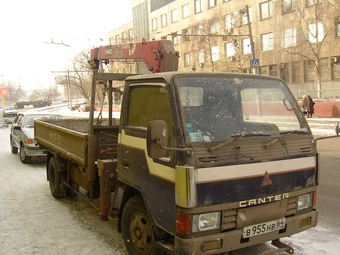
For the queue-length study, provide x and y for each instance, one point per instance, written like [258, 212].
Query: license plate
[263, 228]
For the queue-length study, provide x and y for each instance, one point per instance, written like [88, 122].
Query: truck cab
[220, 161]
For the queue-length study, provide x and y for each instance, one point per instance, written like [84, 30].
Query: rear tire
[55, 178]
[23, 157]
[137, 229]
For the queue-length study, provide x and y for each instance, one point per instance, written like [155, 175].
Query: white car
[9, 111]
[22, 135]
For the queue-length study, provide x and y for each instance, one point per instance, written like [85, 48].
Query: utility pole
[255, 70]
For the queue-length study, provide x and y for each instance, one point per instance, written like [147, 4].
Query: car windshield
[217, 108]
[10, 108]
[29, 120]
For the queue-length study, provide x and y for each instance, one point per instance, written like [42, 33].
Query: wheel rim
[22, 153]
[141, 233]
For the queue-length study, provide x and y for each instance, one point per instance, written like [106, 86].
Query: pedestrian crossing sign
[255, 63]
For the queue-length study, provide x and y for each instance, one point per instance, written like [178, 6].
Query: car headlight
[304, 201]
[206, 221]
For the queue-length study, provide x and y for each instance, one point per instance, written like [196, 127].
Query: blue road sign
[255, 63]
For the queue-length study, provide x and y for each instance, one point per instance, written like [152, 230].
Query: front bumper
[35, 151]
[232, 240]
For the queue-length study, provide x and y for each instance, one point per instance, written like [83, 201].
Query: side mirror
[157, 138]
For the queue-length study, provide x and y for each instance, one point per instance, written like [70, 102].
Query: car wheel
[55, 178]
[23, 157]
[13, 148]
[137, 229]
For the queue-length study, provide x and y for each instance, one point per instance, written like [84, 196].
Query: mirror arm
[159, 142]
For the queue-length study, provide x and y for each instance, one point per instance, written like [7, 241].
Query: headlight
[304, 201]
[206, 221]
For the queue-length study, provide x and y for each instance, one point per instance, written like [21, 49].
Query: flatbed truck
[205, 163]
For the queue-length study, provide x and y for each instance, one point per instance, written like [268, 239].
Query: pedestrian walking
[305, 105]
[311, 107]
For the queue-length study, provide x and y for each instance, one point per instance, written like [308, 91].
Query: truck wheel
[55, 178]
[137, 229]
[23, 157]
[14, 149]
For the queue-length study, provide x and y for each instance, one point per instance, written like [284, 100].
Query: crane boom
[158, 55]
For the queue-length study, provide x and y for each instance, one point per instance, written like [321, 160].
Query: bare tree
[78, 78]
[15, 93]
[315, 33]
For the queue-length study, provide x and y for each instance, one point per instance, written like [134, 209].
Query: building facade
[296, 40]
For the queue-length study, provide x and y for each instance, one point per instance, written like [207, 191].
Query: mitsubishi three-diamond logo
[266, 180]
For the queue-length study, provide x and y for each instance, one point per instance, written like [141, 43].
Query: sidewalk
[323, 126]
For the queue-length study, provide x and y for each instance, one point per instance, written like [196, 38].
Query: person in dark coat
[311, 107]
[305, 105]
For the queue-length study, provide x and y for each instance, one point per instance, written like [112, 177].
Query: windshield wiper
[234, 138]
[286, 133]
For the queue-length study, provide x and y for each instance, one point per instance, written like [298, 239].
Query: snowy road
[33, 222]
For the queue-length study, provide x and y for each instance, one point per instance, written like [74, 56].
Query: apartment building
[296, 40]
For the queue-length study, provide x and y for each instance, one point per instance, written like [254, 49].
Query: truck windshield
[218, 108]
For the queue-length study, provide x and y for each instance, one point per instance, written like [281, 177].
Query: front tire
[137, 229]
[23, 157]
[14, 149]
[55, 178]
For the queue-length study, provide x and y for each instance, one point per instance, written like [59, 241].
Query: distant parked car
[22, 135]
[9, 111]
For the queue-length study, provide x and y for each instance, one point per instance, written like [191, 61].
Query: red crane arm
[159, 56]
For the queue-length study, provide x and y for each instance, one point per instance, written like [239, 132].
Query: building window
[187, 59]
[124, 37]
[185, 33]
[185, 11]
[117, 39]
[229, 21]
[315, 32]
[199, 32]
[198, 6]
[214, 27]
[212, 3]
[338, 30]
[267, 41]
[112, 41]
[246, 46]
[200, 57]
[309, 71]
[296, 72]
[215, 53]
[230, 49]
[288, 5]
[264, 70]
[266, 9]
[289, 37]
[226, 1]
[164, 20]
[284, 71]
[324, 70]
[244, 18]
[313, 2]
[336, 71]
[130, 34]
[175, 40]
[154, 24]
[273, 70]
[174, 15]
